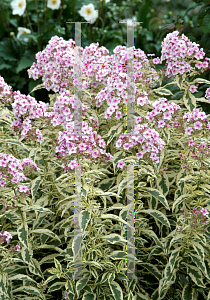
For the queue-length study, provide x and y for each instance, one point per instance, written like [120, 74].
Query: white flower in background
[18, 7]
[23, 30]
[106, 1]
[89, 13]
[53, 4]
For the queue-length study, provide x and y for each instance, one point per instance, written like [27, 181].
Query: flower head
[53, 4]
[23, 30]
[89, 13]
[18, 7]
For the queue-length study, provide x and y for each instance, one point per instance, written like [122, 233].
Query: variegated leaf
[116, 290]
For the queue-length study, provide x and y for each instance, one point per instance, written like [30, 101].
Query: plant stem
[122, 12]
[61, 12]
[37, 14]
[29, 20]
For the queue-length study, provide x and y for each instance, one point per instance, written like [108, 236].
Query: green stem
[61, 12]
[37, 14]
[29, 20]
[122, 13]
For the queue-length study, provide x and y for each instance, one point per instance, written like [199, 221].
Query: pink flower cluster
[147, 140]
[80, 146]
[207, 94]
[204, 151]
[15, 248]
[178, 51]
[114, 76]
[196, 218]
[6, 92]
[56, 66]
[197, 121]
[10, 168]
[64, 110]
[164, 111]
[4, 237]
[27, 108]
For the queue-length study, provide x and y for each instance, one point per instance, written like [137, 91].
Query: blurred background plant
[26, 26]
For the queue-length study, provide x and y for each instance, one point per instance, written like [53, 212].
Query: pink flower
[193, 88]
[2, 183]
[23, 188]
[198, 125]
[140, 155]
[191, 143]
[126, 146]
[121, 164]
[188, 130]
[204, 211]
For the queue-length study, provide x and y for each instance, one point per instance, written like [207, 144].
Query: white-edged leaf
[116, 290]
[158, 216]
[157, 195]
[47, 232]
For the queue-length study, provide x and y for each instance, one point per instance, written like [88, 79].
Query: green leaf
[89, 296]
[199, 249]
[151, 234]
[187, 293]
[113, 217]
[51, 278]
[106, 184]
[94, 264]
[76, 245]
[58, 265]
[24, 63]
[84, 218]
[29, 290]
[158, 195]
[173, 258]
[152, 269]
[7, 50]
[207, 20]
[158, 216]
[116, 290]
[56, 286]
[104, 277]
[195, 274]
[47, 232]
[179, 200]
[40, 209]
[116, 158]
[199, 263]
[81, 283]
[176, 239]
[21, 277]
[113, 131]
[140, 296]
[189, 102]
[162, 91]
[17, 143]
[118, 255]
[35, 185]
[200, 80]
[122, 186]
[69, 287]
[163, 184]
[3, 290]
[114, 238]
[32, 154]
[22, 232]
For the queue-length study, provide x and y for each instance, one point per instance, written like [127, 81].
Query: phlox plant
[169, 151]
